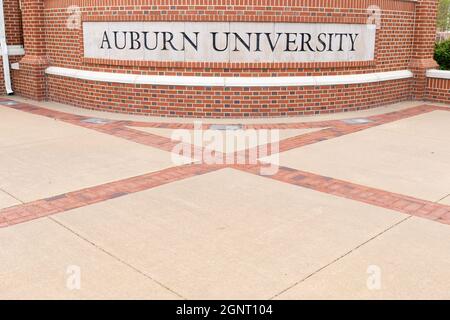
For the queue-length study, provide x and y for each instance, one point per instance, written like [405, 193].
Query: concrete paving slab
[41, 259]
[410, 157]
[410, 261]
[51, 157]
[229, 234]
[7, 200]
[249, 138]
[433, 125]
[446, 200]
[19, 128]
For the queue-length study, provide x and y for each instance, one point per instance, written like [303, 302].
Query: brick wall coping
[441, 74]
[66, 3]
[229, 81]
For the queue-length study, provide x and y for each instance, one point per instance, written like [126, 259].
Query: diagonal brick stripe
[141, 137]
[380, 198]
[118, 129]
[77, 199]
[330, 129]
[336, 128]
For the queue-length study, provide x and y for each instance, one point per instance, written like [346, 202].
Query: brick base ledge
[195, 101]
[229, 81]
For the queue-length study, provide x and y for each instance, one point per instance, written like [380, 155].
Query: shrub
[442, 54]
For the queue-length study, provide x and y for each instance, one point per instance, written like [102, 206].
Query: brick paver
[121, 129]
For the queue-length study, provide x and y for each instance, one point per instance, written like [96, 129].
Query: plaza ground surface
[357, 209]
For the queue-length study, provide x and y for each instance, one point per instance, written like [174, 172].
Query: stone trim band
[229, 81]
[440, 74]
[16, 50]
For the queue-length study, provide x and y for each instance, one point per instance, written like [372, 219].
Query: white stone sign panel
[229, 41]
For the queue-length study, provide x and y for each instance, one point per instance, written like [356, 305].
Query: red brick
[405, 40]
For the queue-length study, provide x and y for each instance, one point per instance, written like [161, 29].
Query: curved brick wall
[224, 102]
[64, 48]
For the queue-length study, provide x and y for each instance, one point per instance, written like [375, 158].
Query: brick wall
[423, 48]
[220, 102]
[438, 90]
[13, 29]
[29, 81]
[395, 49]
[13, 22]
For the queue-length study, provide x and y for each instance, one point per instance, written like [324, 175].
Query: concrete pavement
[100, 211]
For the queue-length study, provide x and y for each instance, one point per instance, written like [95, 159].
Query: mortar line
[443, 198]
[341, 257]
[11, 195]
[115, 257]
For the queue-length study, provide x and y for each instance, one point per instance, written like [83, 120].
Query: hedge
[442, 54]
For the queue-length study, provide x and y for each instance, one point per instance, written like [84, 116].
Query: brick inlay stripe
[380, 198]
[121, 129]
[77, 199]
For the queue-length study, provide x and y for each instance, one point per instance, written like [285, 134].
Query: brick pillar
[33, 64]
[13, 29]
[423, 49]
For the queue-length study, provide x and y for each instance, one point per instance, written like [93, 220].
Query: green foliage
[443, 16]
[442, 54]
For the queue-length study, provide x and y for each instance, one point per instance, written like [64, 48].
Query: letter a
[105, 40]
